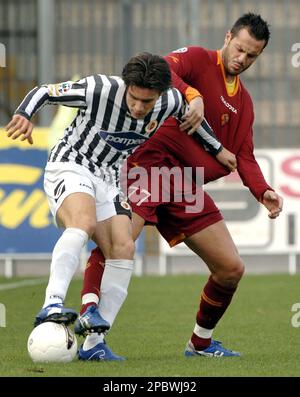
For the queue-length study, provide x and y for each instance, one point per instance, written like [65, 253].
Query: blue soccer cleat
[56, 313]
[91, 321]
[100, 352]
[215, 349]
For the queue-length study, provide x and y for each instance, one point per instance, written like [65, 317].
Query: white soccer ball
[52, 342]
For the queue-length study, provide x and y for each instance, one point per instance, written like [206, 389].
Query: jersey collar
[237, 84]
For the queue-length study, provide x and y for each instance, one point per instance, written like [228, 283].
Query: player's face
[140, 101]
[240, 51]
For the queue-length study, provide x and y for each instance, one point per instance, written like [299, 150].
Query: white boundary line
[23, 283]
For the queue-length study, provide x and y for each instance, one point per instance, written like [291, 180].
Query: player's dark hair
[256, 26]
[146, 70]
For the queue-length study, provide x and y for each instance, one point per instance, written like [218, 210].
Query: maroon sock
[92, 276]
[214, 301]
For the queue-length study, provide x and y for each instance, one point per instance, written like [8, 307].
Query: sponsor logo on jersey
[64, 87]
[85, 185]
[180, 50]
[174, 59]
[227, 104]
[151, 126]
[123, 141]
[59, 89]
[224, 119]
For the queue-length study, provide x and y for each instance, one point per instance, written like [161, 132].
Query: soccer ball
[52, 342]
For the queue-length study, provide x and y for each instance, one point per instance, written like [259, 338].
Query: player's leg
[93, 273]
[215, 246]
[90, 319]
[76, 212]
[66, 254]
[142, 214]
[95, 264]
[206, 234]
[91, 285]
[95, 267]
[115, 240]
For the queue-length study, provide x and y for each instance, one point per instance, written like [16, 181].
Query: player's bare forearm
[20, 126]
[194, 116]
[227, 158]
[273, 202]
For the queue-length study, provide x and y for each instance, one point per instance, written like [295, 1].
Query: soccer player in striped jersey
[115, 115]
[229, 110]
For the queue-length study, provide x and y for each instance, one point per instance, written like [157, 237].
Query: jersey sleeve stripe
[33, 101]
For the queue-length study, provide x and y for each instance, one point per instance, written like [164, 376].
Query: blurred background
[47, 41]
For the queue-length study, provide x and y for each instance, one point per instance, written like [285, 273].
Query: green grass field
[155, 324]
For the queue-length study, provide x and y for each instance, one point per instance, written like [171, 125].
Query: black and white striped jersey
[103, 134]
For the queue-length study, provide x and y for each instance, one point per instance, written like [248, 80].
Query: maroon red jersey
[230, 115]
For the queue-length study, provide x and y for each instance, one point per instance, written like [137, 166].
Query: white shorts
[63, 179]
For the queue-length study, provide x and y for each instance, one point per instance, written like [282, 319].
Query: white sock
[65, 261]
[89, 298]
[203, 333]
[114, 285]
[92, 340]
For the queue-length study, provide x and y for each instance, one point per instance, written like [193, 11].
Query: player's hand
[18, 126]
[193, 118]
[227, 158]
[273, 202]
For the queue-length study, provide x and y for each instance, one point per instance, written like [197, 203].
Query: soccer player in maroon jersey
[229, 110]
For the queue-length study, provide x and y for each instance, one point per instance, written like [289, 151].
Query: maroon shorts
[173, 217]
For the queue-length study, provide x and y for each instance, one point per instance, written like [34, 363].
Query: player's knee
[123, 249]
[231, 274]
[237, 272]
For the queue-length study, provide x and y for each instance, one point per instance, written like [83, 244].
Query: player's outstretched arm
[273, 202]
[227, 158]
[20, 125]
